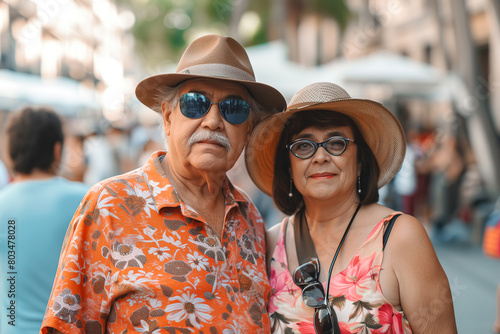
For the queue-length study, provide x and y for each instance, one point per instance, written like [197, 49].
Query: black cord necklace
[337, 253]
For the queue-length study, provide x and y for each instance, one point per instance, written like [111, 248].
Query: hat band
[218, 70]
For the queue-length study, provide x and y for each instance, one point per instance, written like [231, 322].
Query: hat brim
[268, 97]
[380, 128]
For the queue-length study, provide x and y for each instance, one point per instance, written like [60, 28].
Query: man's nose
[213, 118]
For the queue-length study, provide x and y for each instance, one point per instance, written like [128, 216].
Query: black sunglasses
[306, 276]
[195, 105]
[306, 148]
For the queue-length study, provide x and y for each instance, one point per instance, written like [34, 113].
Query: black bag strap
[389, 229]
[304, 246]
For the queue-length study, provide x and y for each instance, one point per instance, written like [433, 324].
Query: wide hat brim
[212, 57]
[147, 90]
[380, 128]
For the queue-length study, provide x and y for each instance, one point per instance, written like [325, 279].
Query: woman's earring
[359, 184]
[290, 194]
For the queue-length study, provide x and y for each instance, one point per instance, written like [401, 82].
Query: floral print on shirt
[137, 259]
[355, 293]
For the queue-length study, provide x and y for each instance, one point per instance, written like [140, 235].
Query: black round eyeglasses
[306, 148]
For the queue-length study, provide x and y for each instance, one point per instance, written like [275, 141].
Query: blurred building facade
[462, 39]
[80, 49]
[459, 38]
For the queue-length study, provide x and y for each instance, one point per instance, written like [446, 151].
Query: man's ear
[58, 152]
[57, 157]
[166, 116]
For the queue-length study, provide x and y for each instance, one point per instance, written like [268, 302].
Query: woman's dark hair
[31, 136]
[321, 119]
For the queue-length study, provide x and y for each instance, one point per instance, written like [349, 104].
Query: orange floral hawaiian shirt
[138, 259]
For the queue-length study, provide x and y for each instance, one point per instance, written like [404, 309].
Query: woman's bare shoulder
[272, 235]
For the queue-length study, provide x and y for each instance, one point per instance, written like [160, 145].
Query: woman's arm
[424, 290]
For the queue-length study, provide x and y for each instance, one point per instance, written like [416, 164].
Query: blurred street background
[434, 63]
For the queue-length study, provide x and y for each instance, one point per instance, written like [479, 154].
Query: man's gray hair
[170, 95]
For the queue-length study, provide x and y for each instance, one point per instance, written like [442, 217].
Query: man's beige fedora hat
[380, 128]
[213, 57]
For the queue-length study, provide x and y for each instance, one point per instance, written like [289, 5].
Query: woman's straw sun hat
[380, 128]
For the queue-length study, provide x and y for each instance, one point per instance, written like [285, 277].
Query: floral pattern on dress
[137, 259]
[355, 293]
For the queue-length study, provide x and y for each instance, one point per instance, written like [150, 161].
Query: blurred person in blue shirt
[4, 175]
[35, 211]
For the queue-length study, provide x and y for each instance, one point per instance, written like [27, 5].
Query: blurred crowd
[439, 182]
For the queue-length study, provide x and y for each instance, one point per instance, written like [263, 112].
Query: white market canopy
[400, 75]
[65, 95]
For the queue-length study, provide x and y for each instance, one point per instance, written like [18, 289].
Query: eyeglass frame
[318, 145]
[210, 107]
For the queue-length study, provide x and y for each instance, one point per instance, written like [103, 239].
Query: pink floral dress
[355, 293]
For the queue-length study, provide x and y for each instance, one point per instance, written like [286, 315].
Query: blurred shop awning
[66, 96]
[403, 76]
[396, 75]
[271, 66]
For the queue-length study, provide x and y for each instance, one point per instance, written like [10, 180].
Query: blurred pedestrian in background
[74, 161]
[491, 247]
[405, 181]
[101, 161]
[4, 175]
[173, 246]
[447, 161]
[323, 161]
[35, 211]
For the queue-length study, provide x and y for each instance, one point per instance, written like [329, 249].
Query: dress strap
[389, 229]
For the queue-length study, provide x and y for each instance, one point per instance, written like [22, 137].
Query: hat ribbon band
[218, 70]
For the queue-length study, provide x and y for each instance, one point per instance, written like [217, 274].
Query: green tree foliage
[163, 28]
[336, 9]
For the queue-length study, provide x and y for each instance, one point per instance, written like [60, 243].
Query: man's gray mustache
[217, 137]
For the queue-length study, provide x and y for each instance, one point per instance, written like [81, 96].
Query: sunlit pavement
[473, 279]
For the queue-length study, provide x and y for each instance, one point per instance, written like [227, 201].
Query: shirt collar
[164, 194]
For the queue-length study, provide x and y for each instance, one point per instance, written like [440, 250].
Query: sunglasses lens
[305, 274]
[235, 111]
[325, 321]
[313, 295]
[194, 105]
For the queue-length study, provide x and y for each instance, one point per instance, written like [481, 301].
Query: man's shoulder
[119, 181]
